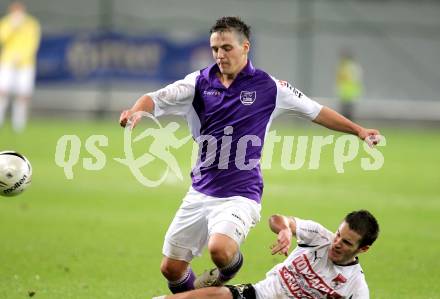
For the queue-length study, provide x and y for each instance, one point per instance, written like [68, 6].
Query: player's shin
[186, 283]
[19, 114]
[229, 271]
[3, 106]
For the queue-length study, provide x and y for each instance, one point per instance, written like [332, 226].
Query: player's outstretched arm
[331, 119]
[144, 103]
[285, 228]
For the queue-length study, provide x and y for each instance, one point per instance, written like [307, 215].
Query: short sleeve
[290, 99]
[311, 233]
[361, 291]
[175, 98]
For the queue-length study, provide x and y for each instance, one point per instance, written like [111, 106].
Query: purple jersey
[230, 124]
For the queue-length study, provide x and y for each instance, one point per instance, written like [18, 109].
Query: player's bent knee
[173, 269]
[221, 254]
[222, 248]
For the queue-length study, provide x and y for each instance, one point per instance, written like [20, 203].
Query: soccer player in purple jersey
[229, 107]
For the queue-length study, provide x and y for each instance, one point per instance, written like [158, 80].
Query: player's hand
[129, 118]
[370, 136]
[283, 243]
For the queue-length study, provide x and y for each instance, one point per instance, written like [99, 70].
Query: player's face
[16, 7]
[230, 53]
[345, 245]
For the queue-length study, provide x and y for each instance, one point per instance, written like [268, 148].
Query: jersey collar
[210, 72]
[355, 262]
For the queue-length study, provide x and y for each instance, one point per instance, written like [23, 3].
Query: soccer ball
[15, 173]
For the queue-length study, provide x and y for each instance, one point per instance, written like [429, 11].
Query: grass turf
[100, 234]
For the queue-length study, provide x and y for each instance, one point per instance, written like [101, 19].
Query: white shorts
[17, 81]
[200, 216]
[270, 288]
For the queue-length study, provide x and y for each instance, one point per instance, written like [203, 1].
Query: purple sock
[186, 283]
[229, 271]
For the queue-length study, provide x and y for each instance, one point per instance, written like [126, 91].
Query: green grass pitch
[100, 234]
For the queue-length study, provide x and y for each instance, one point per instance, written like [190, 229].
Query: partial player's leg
[229, 224]
[244, 291]
[179, 275]
[6, 83]
[20, 112]
[205, 293]
[184, 240]
[226, 255]
[3, 106]
[24, 90]
[347, 109]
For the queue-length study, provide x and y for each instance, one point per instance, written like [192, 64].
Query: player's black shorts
[242, 291]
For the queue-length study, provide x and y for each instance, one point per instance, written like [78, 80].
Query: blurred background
[97, 56]
[99, 235]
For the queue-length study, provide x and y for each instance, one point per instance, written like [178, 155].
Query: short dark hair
[363, 223]
[232, 24]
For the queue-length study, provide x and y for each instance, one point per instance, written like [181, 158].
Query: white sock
[3, 106]
[19, 115]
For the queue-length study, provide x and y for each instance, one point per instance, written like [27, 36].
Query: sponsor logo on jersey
[303, 282]
[248, 97]
[211, 92]
[309, 230]
[295, 91]
[338, 280]
[285, 84]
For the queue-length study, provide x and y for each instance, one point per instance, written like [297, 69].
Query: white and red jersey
[309, 273]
